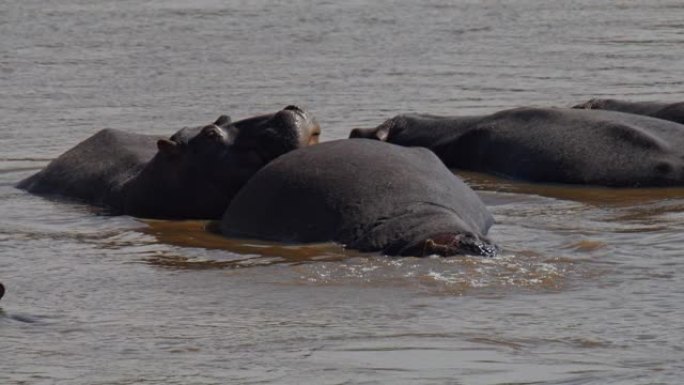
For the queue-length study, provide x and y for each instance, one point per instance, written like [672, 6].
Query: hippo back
[95, 169]
[368, 195]
[662, 110]
[551, 145]
[575, 146]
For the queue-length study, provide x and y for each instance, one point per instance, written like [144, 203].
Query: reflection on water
[204, 234]
[594, 195]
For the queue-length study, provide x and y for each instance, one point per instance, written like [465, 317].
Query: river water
[588, 289]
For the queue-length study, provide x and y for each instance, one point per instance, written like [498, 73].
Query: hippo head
[272, 135]
[381, 132]
[198, 170]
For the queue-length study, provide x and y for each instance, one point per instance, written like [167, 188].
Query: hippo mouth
[449, 244]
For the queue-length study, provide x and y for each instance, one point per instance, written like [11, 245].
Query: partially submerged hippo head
[380, 132]
[198, 170]
[391, 130]
[401, 130]
[192, 174]
[268, 135]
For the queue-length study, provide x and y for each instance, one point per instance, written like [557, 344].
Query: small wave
[25, 159]
[15, 165]
[453, 275]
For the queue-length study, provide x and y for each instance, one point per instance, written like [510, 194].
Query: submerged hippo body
[366, 195]
[549, 145]
[668, 111]
[194, 174]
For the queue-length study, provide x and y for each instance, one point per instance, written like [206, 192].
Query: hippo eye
[212, 132]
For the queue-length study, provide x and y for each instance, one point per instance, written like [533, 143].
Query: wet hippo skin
[549, 145]
[193, 174]
[366, 195]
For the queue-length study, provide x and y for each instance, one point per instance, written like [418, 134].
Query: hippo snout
[448, 244]
[295, 108]
[366, 133]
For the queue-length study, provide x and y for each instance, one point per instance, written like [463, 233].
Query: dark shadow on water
[593, 195]
[18, 317]
[204, 234]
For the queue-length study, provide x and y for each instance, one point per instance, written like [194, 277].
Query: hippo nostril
[292, 107]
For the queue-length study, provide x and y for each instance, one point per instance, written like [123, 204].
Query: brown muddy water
[589, 287]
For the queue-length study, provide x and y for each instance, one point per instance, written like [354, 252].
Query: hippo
[366, 195]
[673, 112]
[549, 145]
[192, 175]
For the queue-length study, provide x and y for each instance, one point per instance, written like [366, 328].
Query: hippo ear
[382, 132]
[168, 147]
[222, 120]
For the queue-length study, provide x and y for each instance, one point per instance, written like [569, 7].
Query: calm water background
[588, 290]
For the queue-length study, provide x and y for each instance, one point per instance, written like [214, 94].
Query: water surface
[587, 290]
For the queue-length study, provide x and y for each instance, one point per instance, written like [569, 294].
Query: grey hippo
[668, 111]
[193, 174]
[366, 195]
[549, 145]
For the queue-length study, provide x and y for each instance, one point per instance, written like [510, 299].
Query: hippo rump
[549, 145]
[193, 174]
[668, 111]
[366, 195]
